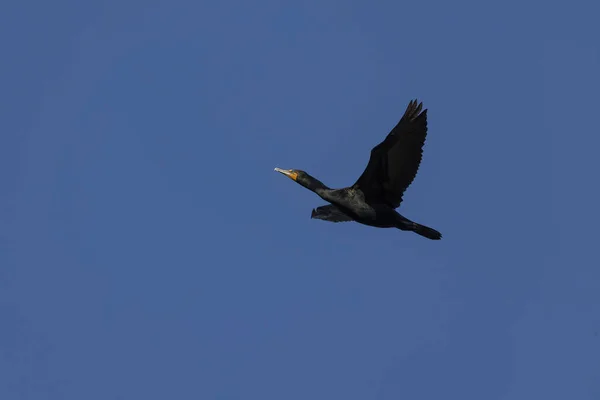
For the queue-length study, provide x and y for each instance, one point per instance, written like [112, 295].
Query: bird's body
[392, 167]
[351, 203]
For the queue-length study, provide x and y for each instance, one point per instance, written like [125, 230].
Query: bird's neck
[323, 191]
[315, 185]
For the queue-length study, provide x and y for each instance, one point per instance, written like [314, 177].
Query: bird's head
[294, 174]
[299, 177]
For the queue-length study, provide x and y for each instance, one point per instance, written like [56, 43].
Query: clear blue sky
[149, 251]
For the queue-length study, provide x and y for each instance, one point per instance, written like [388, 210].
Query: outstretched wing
[395, 161]
[330, 213]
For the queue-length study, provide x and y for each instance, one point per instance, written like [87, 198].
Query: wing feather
[330, 213]
[394, 162]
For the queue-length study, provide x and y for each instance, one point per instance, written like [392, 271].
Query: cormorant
[392, 167]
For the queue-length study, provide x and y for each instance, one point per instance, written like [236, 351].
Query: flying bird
[372, 200]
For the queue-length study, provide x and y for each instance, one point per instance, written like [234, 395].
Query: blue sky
[149, 251]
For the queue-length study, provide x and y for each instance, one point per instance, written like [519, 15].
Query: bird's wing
[394, 162]
[330, 213]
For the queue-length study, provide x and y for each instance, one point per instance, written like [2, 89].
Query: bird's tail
[426, 231]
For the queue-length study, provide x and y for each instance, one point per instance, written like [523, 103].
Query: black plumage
[392, 167]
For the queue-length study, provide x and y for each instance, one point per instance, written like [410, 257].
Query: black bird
[373, 199]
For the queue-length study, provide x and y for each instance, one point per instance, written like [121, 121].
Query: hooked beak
[288, 172]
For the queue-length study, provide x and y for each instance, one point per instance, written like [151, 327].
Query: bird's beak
[288, 172]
